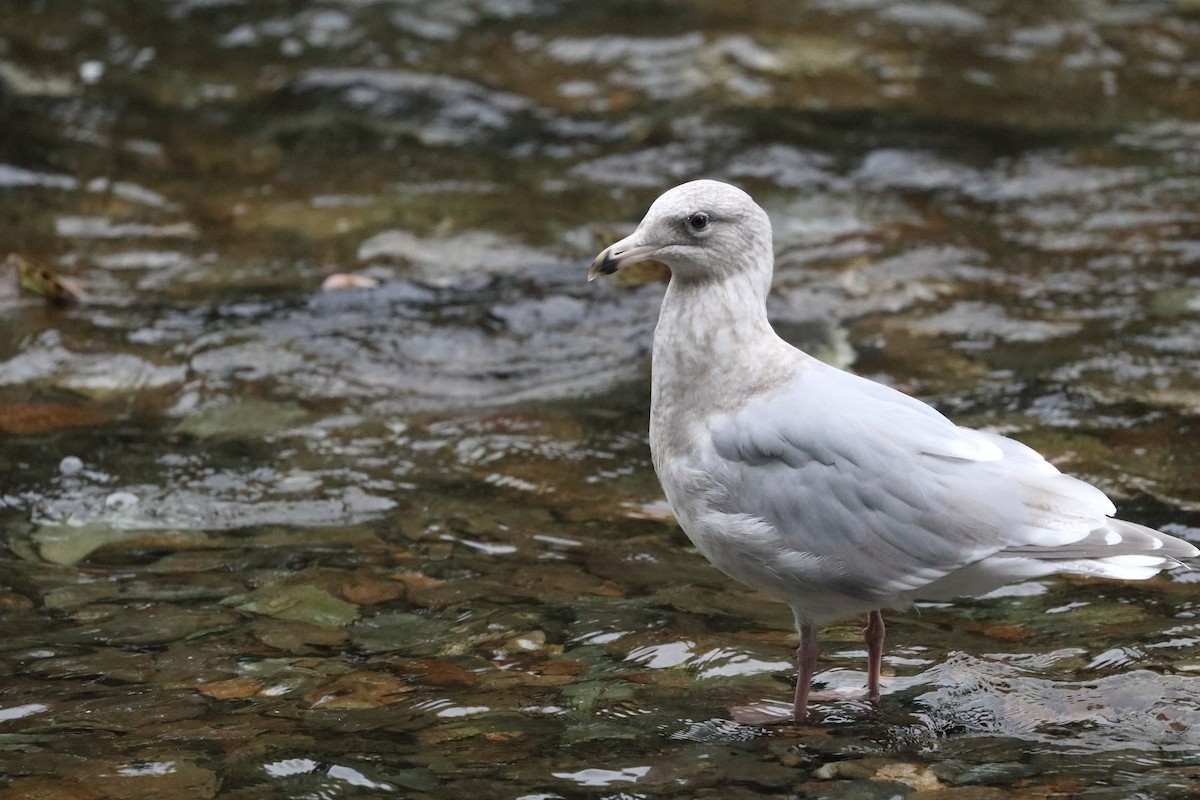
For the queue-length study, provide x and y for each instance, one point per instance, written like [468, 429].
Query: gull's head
[702, 230]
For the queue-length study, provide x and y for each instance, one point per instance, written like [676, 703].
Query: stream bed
[265, 538]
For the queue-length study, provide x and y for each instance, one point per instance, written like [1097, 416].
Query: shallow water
[262, 540]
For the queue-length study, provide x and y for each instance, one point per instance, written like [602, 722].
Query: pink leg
[873, 635]
[806, 667]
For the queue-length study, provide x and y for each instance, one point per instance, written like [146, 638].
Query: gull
[833, 493]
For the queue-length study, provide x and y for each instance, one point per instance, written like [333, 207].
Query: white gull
[828, 491]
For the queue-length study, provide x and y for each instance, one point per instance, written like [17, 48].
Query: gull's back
[863, 497]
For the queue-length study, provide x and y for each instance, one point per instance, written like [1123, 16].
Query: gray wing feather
[883, 491]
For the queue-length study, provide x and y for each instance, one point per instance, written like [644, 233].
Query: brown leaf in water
[369, 591]
[428, 592]
[38, 280]
[607, 589]
[232, 689]
[418, 580]
[10, 601]
[438, 672]
[359, 690]
[647, 678]
[30, 419]
[533, 679]
[1005, 631]
[562, 667]
[554, 582]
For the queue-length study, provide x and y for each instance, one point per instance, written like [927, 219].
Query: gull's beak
[620, 254]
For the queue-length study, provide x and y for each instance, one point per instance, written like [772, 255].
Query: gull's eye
[698, 221]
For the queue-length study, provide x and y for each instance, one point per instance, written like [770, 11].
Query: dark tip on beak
[604, 264]
[618, 255]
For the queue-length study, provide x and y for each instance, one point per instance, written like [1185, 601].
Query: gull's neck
[714, 348]
[707, 326]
